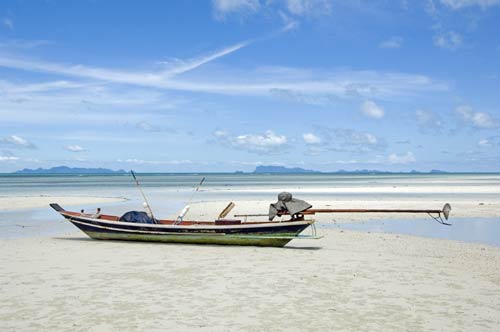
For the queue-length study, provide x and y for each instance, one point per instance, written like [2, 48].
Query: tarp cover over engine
[138, 217]
[286, 203]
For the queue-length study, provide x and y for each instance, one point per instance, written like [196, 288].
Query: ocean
[242, 184]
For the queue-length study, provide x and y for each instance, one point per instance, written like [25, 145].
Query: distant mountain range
[69, 170]
[281, 169]
[297, 170]
[258, 170]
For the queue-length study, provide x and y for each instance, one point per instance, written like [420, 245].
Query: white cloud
[480, 120]
[372, 110]
[458, 4]
[267, 143]
[448, 40]
[14, 141]
[223, 8]
[407, 158]
[310, 138]
[75, 148]
[484, 143]
[393, 42]
[8, 158]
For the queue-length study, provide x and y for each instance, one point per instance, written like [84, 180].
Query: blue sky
[228, 85]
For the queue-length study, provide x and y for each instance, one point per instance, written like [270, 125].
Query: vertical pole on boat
[197, 189]
[186, 208]
[143, 196]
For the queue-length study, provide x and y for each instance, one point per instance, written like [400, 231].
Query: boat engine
[286, 204]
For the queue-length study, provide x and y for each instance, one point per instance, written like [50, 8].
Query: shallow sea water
[475, 230]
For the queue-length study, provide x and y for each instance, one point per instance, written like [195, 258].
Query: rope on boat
[439, 219]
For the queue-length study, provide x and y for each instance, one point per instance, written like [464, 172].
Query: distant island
[297, 170]
[281, 170]
[69, 170]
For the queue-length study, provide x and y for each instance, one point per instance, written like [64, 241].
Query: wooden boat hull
[276, 234]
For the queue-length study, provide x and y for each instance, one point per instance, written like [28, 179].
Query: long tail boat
[141, 226]
[222, 231]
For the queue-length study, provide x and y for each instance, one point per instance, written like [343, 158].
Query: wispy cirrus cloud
[304, 84]
[153, 79]
[16, 142]
[188, 65]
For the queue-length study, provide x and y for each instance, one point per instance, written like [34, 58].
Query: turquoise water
[238, 183]
[475, 230]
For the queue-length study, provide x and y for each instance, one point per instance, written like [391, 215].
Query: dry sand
[347, 281]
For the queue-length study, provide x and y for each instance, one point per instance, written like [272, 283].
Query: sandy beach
[346, 281]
